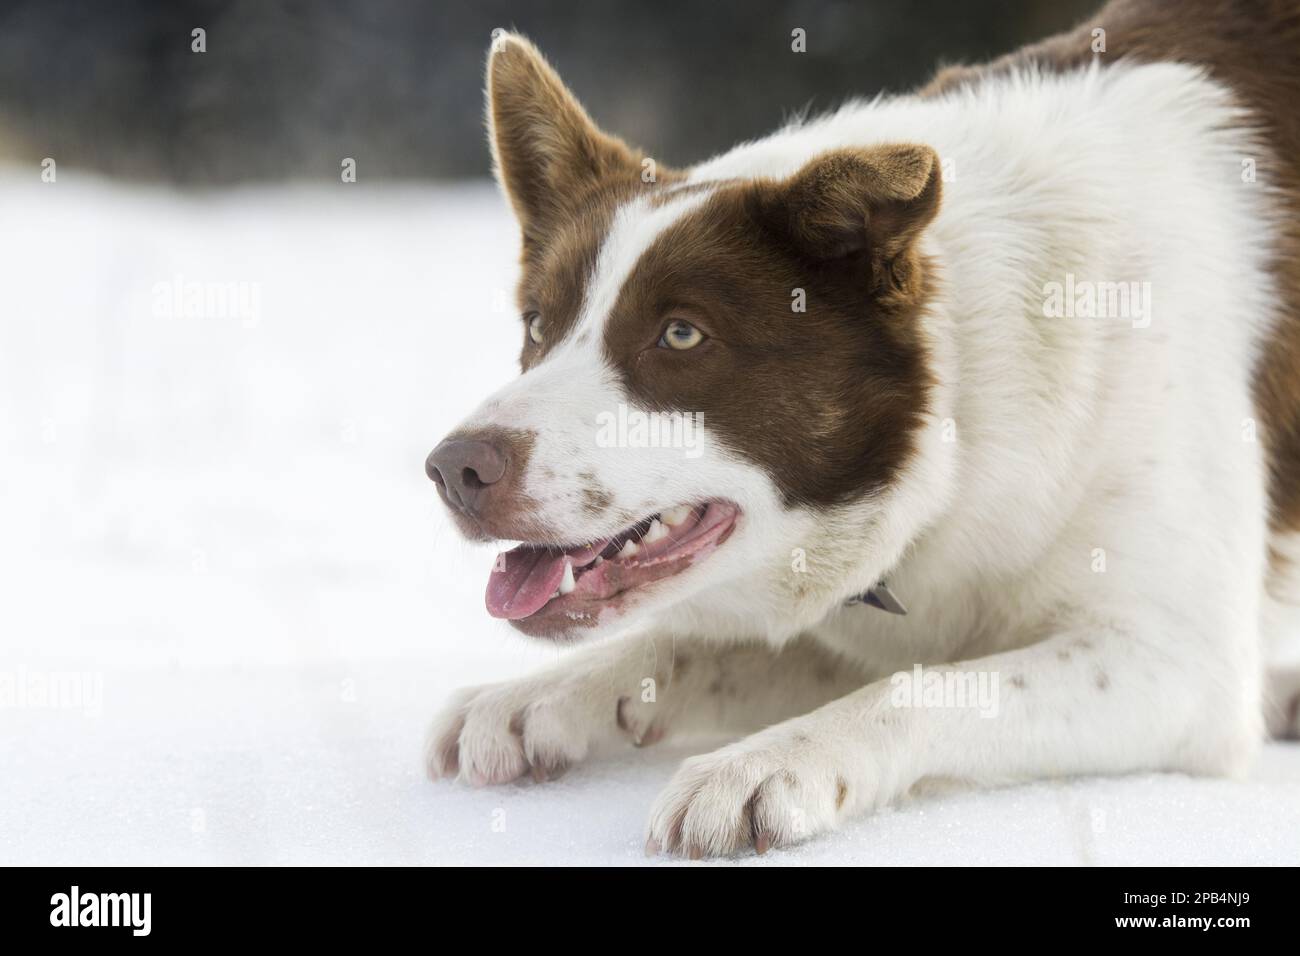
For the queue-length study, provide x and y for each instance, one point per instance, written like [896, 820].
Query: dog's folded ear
[871, 201]
[545, 146]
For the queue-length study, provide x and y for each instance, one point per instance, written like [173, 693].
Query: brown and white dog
[1024, 345]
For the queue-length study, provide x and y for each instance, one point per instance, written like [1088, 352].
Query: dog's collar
[880, 596]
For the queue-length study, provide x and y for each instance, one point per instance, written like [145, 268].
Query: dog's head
[723, 380]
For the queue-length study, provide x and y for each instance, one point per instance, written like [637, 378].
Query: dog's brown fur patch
[827, 400]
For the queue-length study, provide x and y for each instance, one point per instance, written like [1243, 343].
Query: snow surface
[224, 521]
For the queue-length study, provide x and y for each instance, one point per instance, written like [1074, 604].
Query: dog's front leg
[1085, 701]
[638, 690]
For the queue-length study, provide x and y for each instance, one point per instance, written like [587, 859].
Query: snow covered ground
[219, 539]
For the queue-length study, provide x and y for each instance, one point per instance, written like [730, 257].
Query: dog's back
[1252, 47]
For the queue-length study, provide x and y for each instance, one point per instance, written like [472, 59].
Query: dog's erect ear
[872, 200]
[543, 142]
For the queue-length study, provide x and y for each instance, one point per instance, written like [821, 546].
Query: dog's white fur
[1086, 516]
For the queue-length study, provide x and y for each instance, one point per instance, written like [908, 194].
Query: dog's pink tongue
[522, 580]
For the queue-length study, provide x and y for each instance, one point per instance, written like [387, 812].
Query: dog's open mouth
[579, 581]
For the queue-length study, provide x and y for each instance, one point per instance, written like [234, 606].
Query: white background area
[225, 521]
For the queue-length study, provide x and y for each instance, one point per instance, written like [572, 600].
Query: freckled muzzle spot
[596, 500]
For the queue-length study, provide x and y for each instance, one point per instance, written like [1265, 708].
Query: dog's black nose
[462, 468]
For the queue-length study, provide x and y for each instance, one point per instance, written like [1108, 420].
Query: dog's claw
[763, 843]
[652, 847]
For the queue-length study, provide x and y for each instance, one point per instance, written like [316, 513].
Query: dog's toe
[766, 793]
[501, 733]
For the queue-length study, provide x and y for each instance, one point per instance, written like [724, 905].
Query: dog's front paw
[499, 733]
[773, 789]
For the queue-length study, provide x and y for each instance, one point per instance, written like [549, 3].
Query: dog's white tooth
[675, 516]
[656, 532]
[598, 562]
[629, 550]
[566, 582]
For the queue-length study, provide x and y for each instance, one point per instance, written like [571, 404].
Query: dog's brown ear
[544, 144]
[872, 200]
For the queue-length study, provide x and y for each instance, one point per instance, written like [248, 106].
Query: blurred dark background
[287, 88]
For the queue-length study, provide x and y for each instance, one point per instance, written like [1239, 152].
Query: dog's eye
[680, 335]
[534, 320]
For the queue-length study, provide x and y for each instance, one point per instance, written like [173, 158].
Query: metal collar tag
[880, 596]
